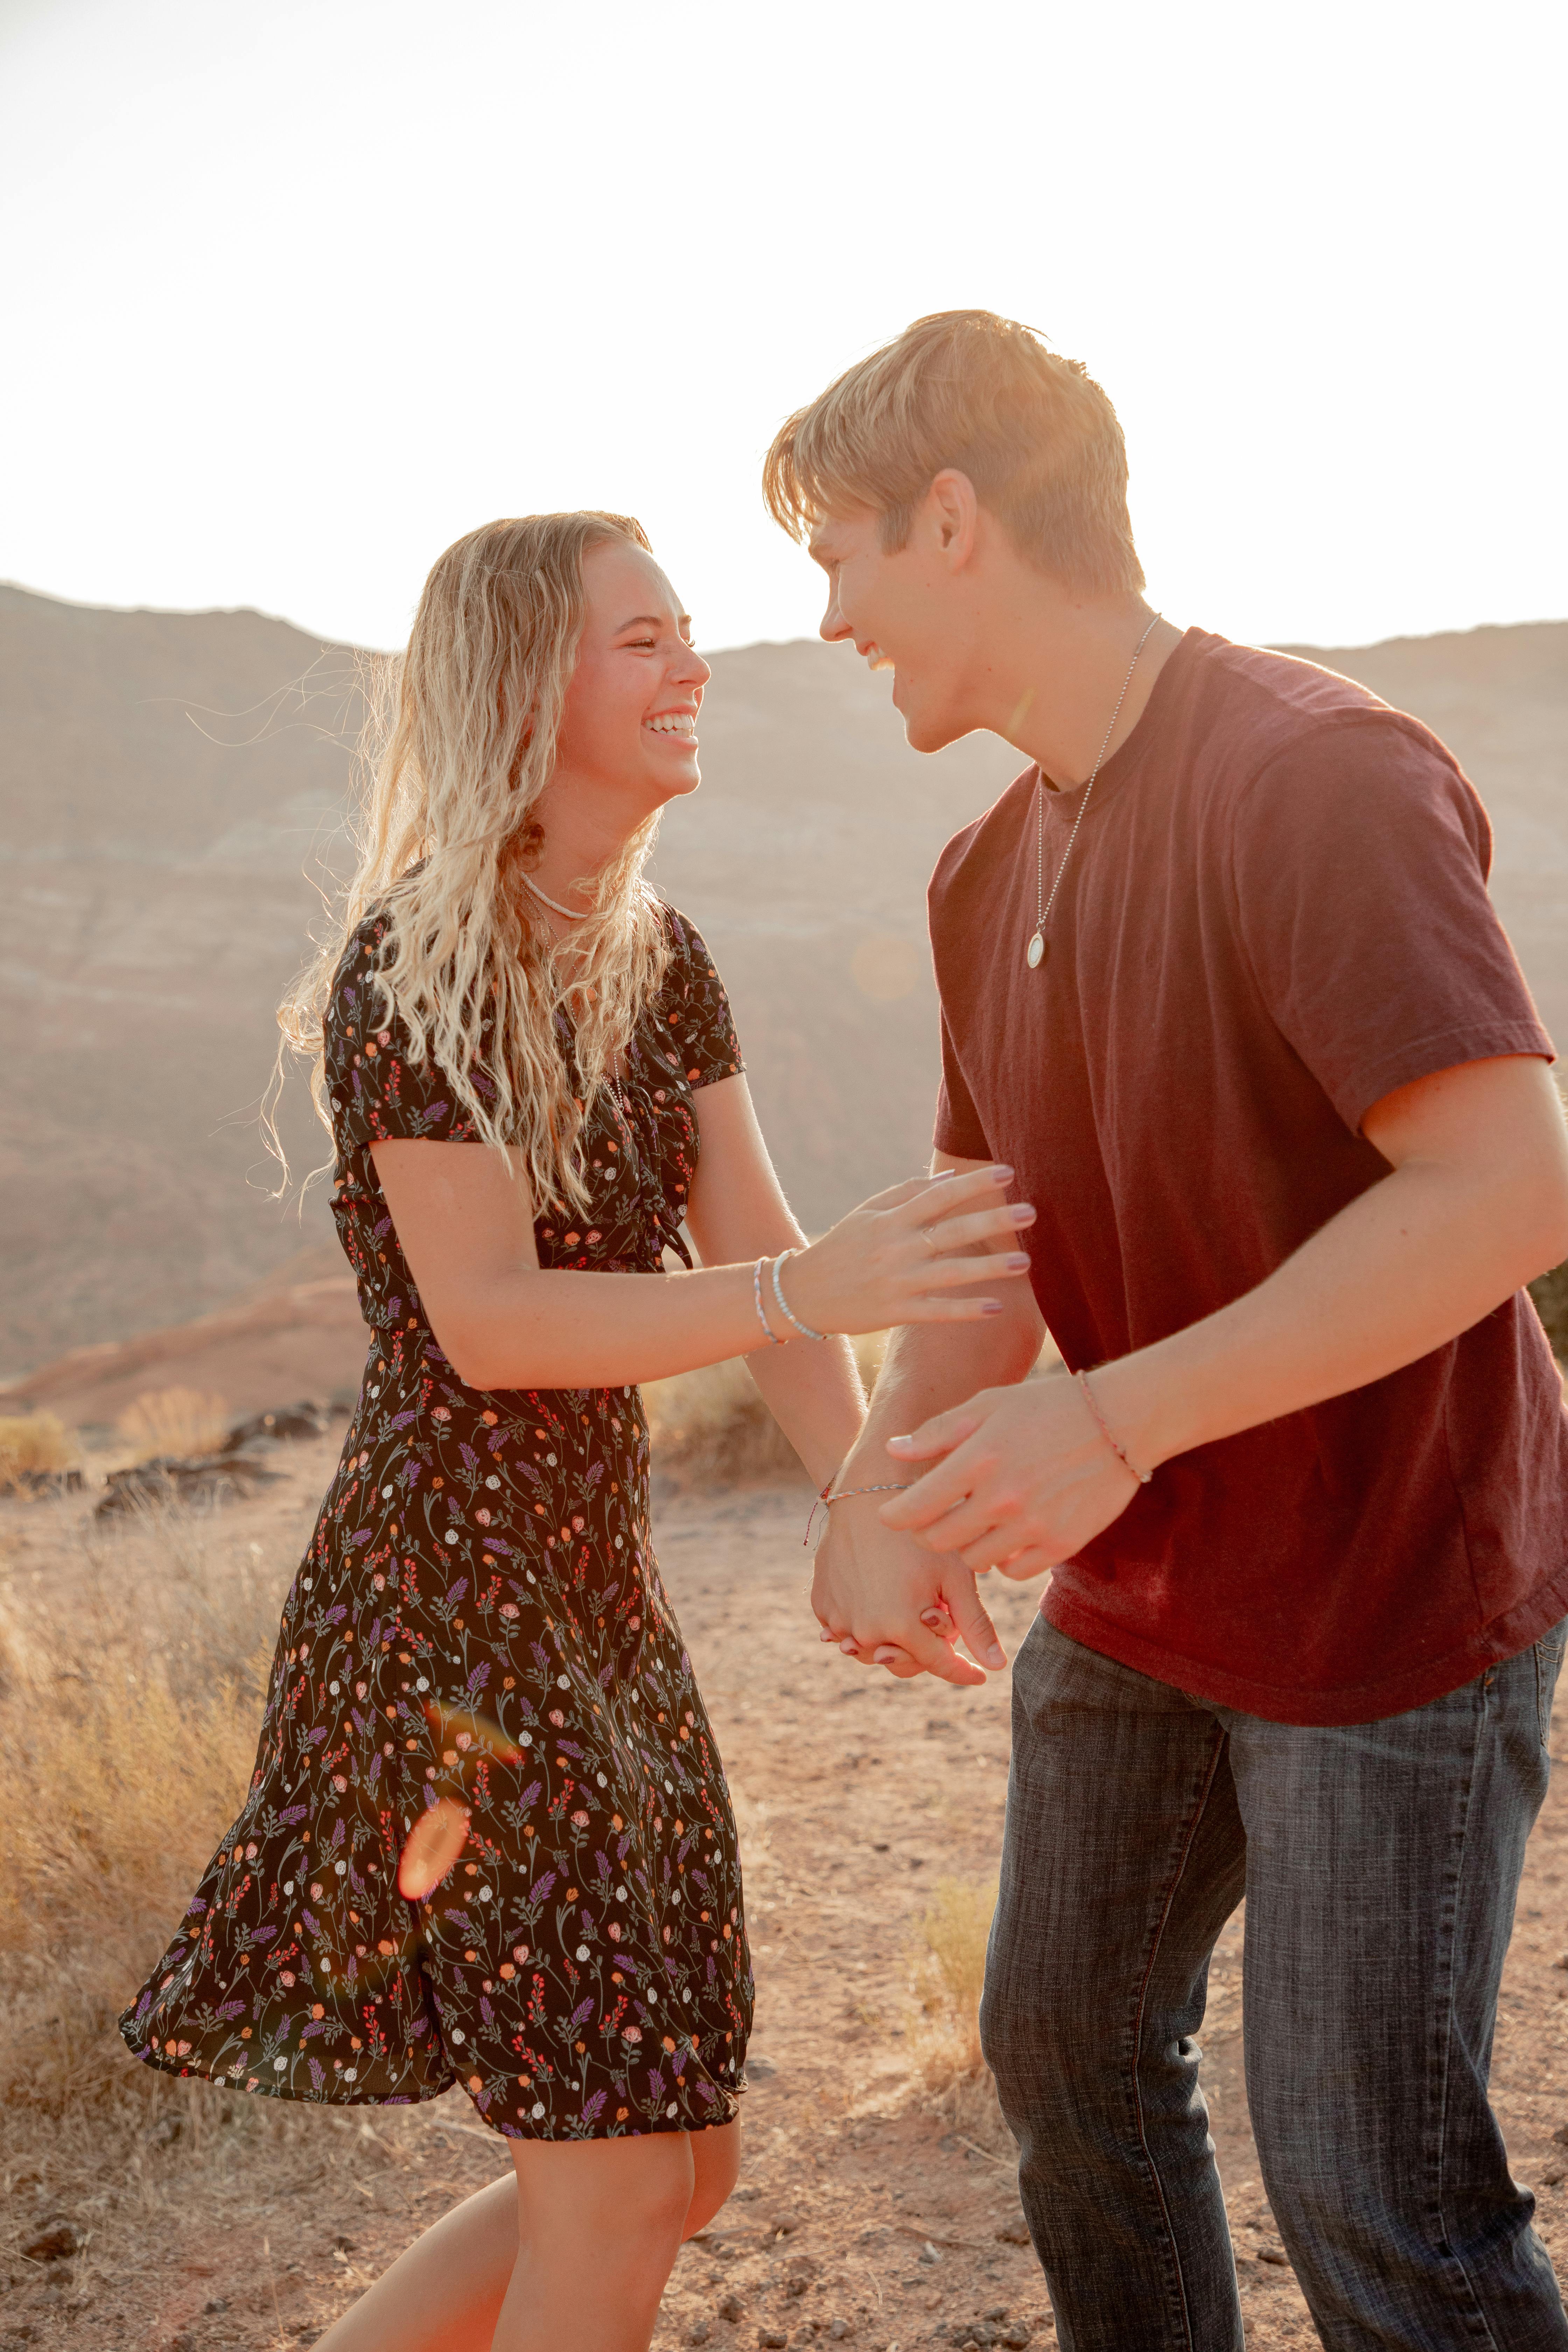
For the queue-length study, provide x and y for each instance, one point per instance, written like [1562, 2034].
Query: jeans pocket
[1548, 1666]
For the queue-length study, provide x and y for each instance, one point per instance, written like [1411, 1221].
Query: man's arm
[1475, 1204]
[872, 1585]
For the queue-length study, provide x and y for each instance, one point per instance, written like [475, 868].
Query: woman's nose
[696, 669]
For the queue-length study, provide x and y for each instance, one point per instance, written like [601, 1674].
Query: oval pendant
[1037, 955]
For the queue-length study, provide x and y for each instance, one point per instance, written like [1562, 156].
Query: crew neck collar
[1062, 806]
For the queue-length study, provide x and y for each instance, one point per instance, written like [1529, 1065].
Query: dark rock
[1015, 2232]
[699, 2331]
[306, 1419]
[57, 2242]
[218, 2303]
[760, 2070]
[795, 2286]
[785, 2225]
[732, 2308]
[207, 1478]
[772, 2339]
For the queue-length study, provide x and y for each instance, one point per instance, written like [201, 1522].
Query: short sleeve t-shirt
[1275, 914]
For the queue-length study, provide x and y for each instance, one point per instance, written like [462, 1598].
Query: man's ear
[953, 513]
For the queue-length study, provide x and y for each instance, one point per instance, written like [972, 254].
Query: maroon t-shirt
[1275, 914]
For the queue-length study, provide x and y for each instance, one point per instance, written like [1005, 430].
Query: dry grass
[712, 1425]
[947, 1976]
[130, 1693]
[182, 1422]
[33, 1442]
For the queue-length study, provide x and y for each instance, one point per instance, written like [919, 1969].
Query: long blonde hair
[459, 745]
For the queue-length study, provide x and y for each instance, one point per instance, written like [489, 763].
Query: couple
[1232, 1035]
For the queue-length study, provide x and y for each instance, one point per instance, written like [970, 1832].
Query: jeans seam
[1138, 2016]
[1445, 1974]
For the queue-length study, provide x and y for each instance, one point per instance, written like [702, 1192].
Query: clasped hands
[1021, 1479]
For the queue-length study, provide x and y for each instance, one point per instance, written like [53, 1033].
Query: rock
[795, 2286]
[57, 2242]
[732, 2308]
[760, 2070]
[699, 2331]
[1015, 2232]
[744, 2196]
[929, 2254]
[306, 1419]
[207, 1478]
[1271, 2250]
[1552, 2176]
[218, 2303]
[841, 2330]
[784, 2225]
[772, 2339]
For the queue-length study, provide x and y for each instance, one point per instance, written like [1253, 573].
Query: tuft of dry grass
[947, 1976]
[33, 1442]
[174, 1420]
[713, 1425]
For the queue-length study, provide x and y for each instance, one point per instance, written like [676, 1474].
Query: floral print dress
[480, 1618]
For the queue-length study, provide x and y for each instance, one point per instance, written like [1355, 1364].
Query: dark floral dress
[480, 1618]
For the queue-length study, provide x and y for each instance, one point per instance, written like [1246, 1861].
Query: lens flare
[430, 1849]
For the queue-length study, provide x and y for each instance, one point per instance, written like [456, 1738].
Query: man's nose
[835, 628]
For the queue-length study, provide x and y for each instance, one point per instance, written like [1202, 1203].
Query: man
[1221, 981]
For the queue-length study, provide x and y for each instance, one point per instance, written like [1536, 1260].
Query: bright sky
[295, 294]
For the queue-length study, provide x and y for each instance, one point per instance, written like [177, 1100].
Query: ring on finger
[930, 1240]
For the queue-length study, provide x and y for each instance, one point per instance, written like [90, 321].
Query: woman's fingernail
[996, 1656]
[900, 1441]
[991, 1307]
[1023, 1212]
[1002, 1175]
[1016, 1260]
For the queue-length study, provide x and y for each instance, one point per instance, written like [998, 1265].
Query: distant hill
[171, 796]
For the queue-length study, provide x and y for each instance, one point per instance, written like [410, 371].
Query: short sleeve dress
[480, 1618]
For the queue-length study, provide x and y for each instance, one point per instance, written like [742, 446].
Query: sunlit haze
[295, 294]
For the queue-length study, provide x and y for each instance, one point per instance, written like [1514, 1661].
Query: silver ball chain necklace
[1035, 955]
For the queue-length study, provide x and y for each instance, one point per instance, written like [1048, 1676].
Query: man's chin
[927, 730]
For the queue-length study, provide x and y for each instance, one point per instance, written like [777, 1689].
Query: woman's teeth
[673, 723]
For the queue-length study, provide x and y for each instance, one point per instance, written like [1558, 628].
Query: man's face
[904, 613]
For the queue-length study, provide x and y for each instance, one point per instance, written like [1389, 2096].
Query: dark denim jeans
[1380, 1864]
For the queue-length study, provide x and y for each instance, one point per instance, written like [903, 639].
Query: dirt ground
[871, 2210]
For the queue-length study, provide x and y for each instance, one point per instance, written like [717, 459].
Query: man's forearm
[1401, 1270]
[930, 1368]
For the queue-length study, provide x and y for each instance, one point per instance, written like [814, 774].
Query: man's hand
[1025, 1480]
[883, 1598]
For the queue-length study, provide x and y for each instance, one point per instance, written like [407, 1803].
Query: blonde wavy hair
[459, 744]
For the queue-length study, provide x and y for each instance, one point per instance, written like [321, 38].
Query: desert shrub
[30, 1443]
[1549, 1292]
[174, 1420]
[713, 1424]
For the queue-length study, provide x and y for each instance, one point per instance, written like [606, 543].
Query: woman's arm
[466, 1225]
[738, 1211]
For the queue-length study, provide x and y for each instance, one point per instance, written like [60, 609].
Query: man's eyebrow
[644, 620]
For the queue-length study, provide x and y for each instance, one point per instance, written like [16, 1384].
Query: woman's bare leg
[577, 2253]
[445, 2292]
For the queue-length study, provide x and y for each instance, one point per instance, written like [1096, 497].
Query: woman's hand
[904, 1256]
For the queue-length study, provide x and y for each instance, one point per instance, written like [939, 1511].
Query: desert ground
[877, 2203]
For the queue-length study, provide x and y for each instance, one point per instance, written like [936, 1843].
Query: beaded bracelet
[1142, 1476]
[773, 1339]
[783, 1307]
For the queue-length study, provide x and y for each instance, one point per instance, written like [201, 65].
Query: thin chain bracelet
[826, 1499]
[783, 1305]
[773, 1339]
[1142, 1476]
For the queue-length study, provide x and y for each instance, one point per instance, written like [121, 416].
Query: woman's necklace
[1035, 954]
[572, 914]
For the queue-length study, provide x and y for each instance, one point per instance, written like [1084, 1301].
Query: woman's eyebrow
[656, 620]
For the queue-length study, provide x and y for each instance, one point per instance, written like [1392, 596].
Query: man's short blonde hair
[966, 389]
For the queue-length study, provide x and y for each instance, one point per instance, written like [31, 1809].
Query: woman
[488, 1838]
